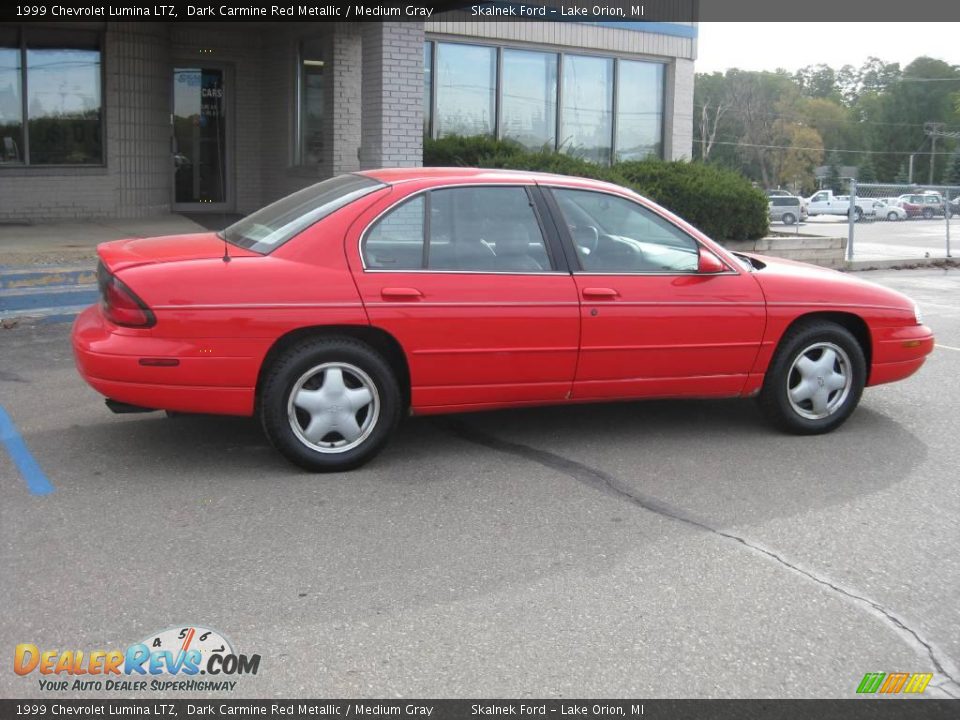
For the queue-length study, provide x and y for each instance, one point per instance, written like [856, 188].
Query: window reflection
[587, 112]
[466, 89]
[63, 105]
[529, 98]
[639, 110]
[11, 104]
[311, 102]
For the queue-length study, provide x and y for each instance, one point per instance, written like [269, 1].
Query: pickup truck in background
[825, 202]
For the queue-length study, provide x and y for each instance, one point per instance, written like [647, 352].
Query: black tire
[927, 213]
[788, 219]
[774, 396]
[284, 374]
[892, 216]
[857, 214]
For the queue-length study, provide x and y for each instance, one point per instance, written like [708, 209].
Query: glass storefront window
[11, 100]
[427, 87]
[529, 98]
[59, 121]
[466, 87]
[586, 117]
[639, 110]
[311, 103]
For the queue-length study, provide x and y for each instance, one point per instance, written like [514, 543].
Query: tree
[712, 97]
[951, 175]
[833, 181]
[902, 177]
[865, 172]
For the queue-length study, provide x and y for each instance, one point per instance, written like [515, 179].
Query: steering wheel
[586, 238]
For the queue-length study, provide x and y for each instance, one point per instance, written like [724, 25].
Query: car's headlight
[917, 314]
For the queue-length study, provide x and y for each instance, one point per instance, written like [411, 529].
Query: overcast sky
[767, 46]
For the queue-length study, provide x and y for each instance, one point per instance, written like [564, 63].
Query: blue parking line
[30, 471]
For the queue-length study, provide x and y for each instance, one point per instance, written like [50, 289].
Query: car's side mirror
[709, 263]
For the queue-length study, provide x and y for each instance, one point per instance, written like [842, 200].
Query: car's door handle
[404, 293]
[600, 292]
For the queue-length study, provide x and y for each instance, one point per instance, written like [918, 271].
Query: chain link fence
[896, 221]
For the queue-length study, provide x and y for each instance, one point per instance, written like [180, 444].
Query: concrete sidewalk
[47, 271]
[60, 243]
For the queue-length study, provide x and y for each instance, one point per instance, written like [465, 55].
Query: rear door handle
[403, 293]
[600, 293]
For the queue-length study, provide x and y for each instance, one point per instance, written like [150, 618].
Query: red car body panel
[471, 340]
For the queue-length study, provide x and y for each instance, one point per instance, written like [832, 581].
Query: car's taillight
[119, 304]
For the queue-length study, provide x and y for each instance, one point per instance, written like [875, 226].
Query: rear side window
[468, 229]
[272, 226]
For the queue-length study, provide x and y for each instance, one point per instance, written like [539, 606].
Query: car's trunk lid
[120, 254]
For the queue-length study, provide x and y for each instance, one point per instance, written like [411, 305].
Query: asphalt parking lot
[662, 549]
[884, 239]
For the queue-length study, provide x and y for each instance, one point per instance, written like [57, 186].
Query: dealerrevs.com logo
[170, 660]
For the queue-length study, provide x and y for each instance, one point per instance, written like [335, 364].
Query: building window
[427, 88]
[466, 87]
[529, 98]
[63, 102]
[310, 102]
[586, 116]
[639, 110]
[600, 108]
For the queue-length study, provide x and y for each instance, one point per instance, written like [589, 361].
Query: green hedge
[720, 202]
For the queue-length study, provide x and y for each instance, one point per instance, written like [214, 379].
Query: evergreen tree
[866, 173]
[951, 175]
[833, 181]
[902, 177]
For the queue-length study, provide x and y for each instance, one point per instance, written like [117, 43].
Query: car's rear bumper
[899, 352]
[111, 360]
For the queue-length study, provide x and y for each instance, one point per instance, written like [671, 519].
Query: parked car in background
[881, 210]
[925, 205]
[336, 311]
[953, 206]
[787, 209]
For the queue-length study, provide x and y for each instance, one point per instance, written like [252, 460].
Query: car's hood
[788, 282]
[120, 254]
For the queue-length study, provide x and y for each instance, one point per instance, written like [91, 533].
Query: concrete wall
[826, 251]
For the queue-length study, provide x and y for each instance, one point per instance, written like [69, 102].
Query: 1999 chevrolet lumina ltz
[334, 311]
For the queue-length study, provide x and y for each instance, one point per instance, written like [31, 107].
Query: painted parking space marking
[30, 470]
[948, 347]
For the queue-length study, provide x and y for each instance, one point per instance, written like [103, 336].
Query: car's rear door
[474, 287]
[651, 324]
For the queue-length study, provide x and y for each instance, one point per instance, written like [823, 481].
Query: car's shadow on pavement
[716, 458]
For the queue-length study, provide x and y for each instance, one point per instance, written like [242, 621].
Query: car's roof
[443, 175]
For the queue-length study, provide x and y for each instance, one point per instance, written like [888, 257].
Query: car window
[470, 229]
[395, 240]
[614, 234]
[272, 226]
[818, 197]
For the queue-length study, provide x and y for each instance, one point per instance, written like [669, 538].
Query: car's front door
[475, 290]
[651, 324]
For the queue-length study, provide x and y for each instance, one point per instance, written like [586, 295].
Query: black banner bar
[631, 13]
[867, 709]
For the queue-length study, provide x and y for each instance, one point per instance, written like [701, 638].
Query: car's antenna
[226, 245]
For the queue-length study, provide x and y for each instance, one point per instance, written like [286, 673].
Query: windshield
[270, 227]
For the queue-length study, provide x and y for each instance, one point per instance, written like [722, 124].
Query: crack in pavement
[608, 484]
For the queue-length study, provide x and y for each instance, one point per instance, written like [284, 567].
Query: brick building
[132, 119]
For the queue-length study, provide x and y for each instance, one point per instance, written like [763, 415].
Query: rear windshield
[272, 226]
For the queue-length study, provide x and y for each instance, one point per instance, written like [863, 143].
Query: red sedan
[335, 311]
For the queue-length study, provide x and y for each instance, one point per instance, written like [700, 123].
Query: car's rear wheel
[815, 380]
[789, 219]
[329, 404]
[927, 213]
[891, 216]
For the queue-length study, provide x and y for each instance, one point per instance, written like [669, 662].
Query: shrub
[720, 202]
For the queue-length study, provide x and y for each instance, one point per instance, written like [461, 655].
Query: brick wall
[392, 94]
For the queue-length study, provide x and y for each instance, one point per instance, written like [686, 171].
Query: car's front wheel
[815, 380]
[329, 404]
